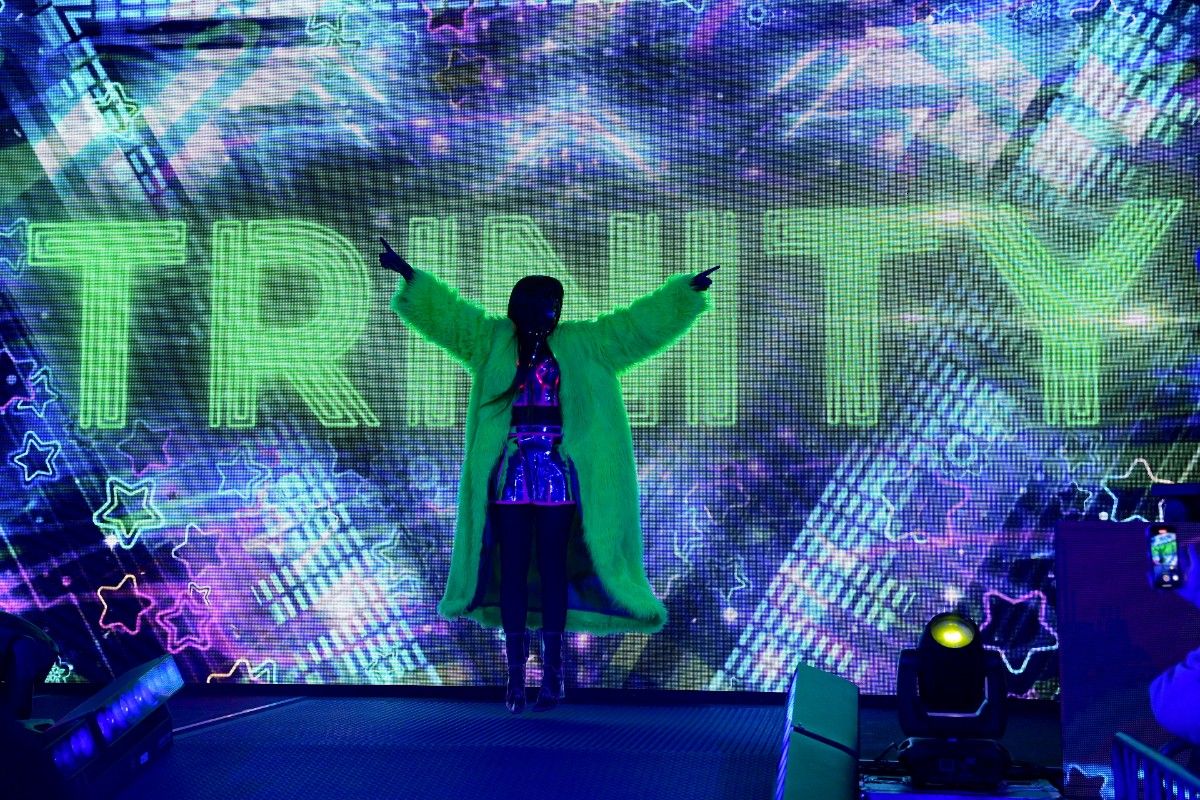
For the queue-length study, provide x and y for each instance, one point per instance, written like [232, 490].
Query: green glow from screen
[430, 375]
[635, 268]
[710, 348]
[248, 352]
[513, 247]
[105, 255]
[851, 245]
[1072, 302]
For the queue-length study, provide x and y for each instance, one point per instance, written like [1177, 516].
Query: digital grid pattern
[955, 306]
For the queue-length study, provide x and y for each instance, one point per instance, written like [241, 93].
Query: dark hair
[534, 292]
[530, 294]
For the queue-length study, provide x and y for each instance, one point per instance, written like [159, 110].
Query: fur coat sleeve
[440, 315]
[628, 336]
[608, 588]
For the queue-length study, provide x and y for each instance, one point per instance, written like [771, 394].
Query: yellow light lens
[952, 632]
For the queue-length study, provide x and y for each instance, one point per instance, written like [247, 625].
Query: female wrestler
[548, 464]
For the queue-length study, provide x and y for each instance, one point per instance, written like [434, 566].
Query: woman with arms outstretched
[548, 463]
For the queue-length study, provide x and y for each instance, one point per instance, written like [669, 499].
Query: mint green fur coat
[608, 591]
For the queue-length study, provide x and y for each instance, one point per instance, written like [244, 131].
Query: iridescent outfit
[530, 468]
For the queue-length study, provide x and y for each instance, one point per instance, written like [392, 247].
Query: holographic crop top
[538, 385]
[530, 468]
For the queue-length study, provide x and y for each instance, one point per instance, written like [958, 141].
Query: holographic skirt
[532, 471]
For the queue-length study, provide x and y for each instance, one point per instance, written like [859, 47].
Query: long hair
[529, 300]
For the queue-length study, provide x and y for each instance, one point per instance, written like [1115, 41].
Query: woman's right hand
[390, 259]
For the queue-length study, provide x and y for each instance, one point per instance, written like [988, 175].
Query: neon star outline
[695, 6]
[394, 569]
[757, 14]
[126, 110]
[126, 536]
[334, 38]
[377, 668]
[739, 576]
[1084, 446]
[137, 622]
[334, 32]
[37, 405]
[686, 542]
[1153, 480]
[266, 667]
[987, 618]
[440, 28]
[1087, 502]
[29, 366]
[461, 62]
[890, 508]
[736, 495]
[400, 29]
[162, 451]
[199, 638]
[187, 564]
[46, 467]
[203, 591]
[242, 458]
[18, 228]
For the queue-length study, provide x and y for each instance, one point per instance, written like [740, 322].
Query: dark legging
[514, 527]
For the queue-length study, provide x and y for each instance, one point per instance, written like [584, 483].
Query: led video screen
[955, 306]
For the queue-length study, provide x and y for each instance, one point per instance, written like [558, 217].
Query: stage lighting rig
[103, 742]
[951, 694]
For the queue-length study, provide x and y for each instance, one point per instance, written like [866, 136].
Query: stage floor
[274, 746]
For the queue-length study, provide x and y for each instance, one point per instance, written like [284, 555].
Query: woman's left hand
[701, 282]
[390, 259]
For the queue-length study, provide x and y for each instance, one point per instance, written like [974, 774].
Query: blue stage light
[74, 748]
[82, 743]
[136, 702]
[88, 744]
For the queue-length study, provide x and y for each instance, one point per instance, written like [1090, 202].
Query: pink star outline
[200, 638]
[137, 623]
[459, 32]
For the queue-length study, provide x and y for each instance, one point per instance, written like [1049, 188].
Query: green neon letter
[851, 245]
[513, 247]
[635, 269]
[428, 371]
[329, 288]
[105, 254]
[1071, 299]
[710, 351]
